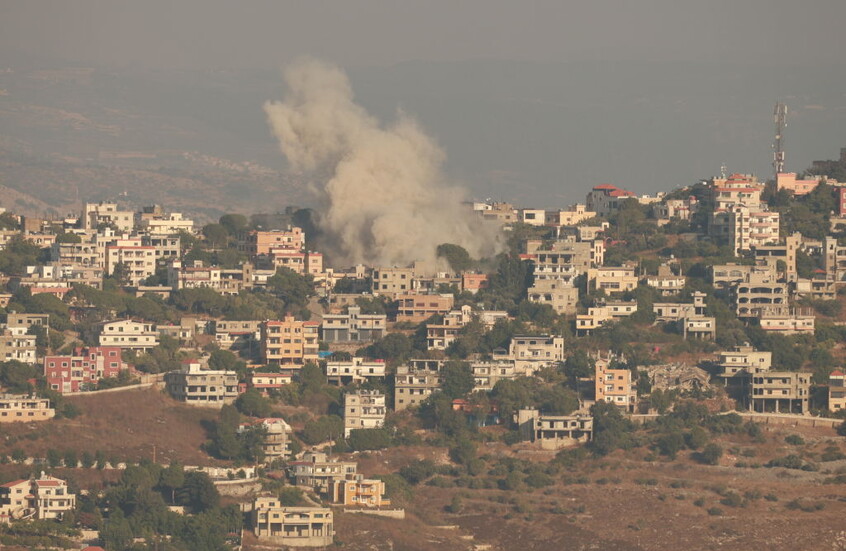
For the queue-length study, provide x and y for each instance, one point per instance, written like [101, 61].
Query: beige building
[289, 342]
[836, 391]
[605, 313]
[316, 471]
[570, 216]
[666, 282]
[780, 392]
[44, 498]
[357, 491]
[261, 242]
[363, 409]
[416, 381]
[615, 385]
[277, 441]
[486, 374]
[554, 432]
[743, 360]
[357, 370]
[292, 526]
[21, 408]
[562, 295]
[128, 334]
[533, 352]
[237, 335]
[417, 308]
[759, 291]
[393, 281]
[612, 279]
[138, 260]
[787, 321]
[353, 326]
[17, 347]
[202, 387]
[96, 214]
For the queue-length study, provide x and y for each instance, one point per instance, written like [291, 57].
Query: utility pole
[780, 118]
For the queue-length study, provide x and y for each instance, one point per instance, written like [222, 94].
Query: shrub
[711, 454]
[715, 511]
[794, 440]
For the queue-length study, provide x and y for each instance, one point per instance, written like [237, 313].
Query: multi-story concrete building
[554, 432]
[726, 276]
[20, 324]
[358, 491]
[84, 369]
[602, 314]
[43, 498]
[224, 281]
[237, 335]
[138, 261]
[744, 228]
[440, 335]
[532, 217]
[743, 360]
[17, 347]
[614, 385]
[780, 391]
[487, 374]
[605, 199]
[261, 242]
[679, 209]
[202, 387]
[290, 342]
[772, 255]
[393, 281]
[416, 381]
[666, 282]
[21, 408]
[152, 220]
[353, 326]
[759, 290]
[570, 216]
[292, 526]
[797, 186]
[787, 321]
[128, 335]
[834, 260]
[98, 214]
[277, 439]
[363, 409]
[836, 391]
[417, 308]
[562, 295]
[357, 370]
[316, 471]
[533, 352]
[613, 279]
[699, 327]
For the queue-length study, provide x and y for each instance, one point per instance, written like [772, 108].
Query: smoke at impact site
[383, 198]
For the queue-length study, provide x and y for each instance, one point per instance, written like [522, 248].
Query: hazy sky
[216, 33]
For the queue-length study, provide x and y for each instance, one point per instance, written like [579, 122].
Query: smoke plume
[385, 201]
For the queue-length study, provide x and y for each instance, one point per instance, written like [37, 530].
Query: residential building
[138, 261]
[96, 215]
[292, 526]
[17, 347]
[21, 408]
[353, 326]
[679, 209]
[744, 228]
[128, 335]
[415, 381]
[772, 255]
[743, 361]
[760, 289]
[152, 220]
[277, 439]
[357, 370]
[699, 327]
[261, 242]
[487, 374]
[562, 295]
[20, 324]
[202, 387]
[473, 282]
[393, 281]
[554, 432]
[780, 392]
[363, 409]
[603, 313]
[615, 385]
[787, 321]
[43, 498]
[726, 276]
[834, 260]
[532, 217]
[165, 247]
[224, 281]
[269, 381]
[571, 216]
[237, 335]
[503, 213]
[797, 186]
[316, 471]
[836, 391]
[613, 279]
[83, 369]
[666, 282]
[441, 335]
[417, 308]
[533, 352]
[359, 491]
[605, 199]
[289, 342]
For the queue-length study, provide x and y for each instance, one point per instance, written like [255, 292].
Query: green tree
[291, 287]
[253, 404]
[172, 478]
[457, 379]
[369, 439]
[198, 492]
[323, 429]
[711, 454]
[216, 235]
[234, 224]
[456, 256]
[117, 533]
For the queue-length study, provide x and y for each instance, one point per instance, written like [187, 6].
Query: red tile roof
[13, 483]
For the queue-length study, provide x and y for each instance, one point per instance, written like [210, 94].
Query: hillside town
[659, 323]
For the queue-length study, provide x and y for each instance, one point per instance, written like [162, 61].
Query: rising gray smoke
[385, 201]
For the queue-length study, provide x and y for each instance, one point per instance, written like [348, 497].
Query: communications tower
[780, 117]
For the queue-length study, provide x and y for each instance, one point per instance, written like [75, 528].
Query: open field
[125, 425]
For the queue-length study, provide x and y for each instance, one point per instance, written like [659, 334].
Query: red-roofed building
[42, 498]
[83, 369]
[604, 199]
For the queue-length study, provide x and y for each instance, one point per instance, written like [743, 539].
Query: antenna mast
[780, 117]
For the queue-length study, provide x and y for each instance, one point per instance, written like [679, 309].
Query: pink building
[85, 367]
